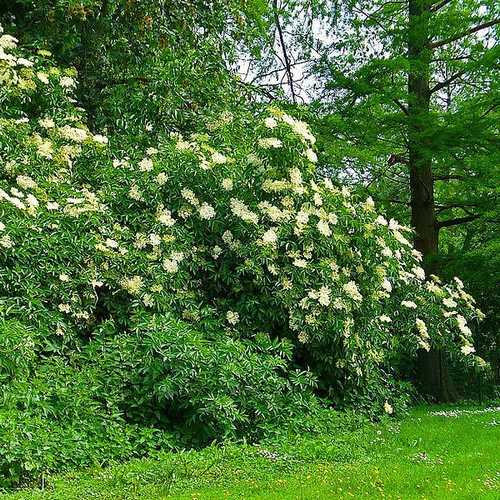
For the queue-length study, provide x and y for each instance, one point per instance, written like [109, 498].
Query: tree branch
[403, 108]
[470, 31]
[102, 84]
[449, 177]
[440, 5]
[283, 49]
[392, 200]
[449, 80]
[456, 222]
[461, 206]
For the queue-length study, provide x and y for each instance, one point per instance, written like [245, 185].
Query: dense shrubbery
[54, 415]
[181, 293]
[125, 395]
[201, 386]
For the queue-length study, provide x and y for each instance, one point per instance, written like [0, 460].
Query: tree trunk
[433, 376]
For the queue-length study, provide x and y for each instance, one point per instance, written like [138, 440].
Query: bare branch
[283, 49]
[440, 5]
[447, 82]
[456, 222]
[470, 31]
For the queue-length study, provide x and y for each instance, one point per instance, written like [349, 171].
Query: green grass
[424, 456]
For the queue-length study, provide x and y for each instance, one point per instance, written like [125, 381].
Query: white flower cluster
[239, 209]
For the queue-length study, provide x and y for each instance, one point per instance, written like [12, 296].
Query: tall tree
[152, 63]
[410, 97]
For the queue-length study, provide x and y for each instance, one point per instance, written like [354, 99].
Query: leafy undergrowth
[436, 452]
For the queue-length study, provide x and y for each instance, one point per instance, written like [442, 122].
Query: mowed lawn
[436, 452]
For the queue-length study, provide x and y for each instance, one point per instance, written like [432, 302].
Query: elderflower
[462, 325]
[132, 285]
[100, 139]
[52, 205]
[450, 303]
[146, 165]
[295, 176]
[67, 82]
[164, 216]
[111, 243]
[216, 251]
[270, 142]
[6, 242]
[8, 42]
[46, 122]
[26, 182]
[227, 237]
[170, 266]
[422, 328]
[232, 317]
[311, 156]
[43, 77]
[467, 349]
[419, 273]
[270, 237]
[218, 158]
[227, 184]
[302, 217]
[303, 337]
[409, 304]
[239, 209]
[324, 228]
[206, 211]
[299, 127]
[154, 240]
[73, 133]
[369, 204]
[135, 193]
[65, 308]
[161, 178]
[386, 285]
[352, 290]
[270, 122]
[324, 296]
[189, 196]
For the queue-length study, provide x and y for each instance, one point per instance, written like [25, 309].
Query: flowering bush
[102, 378]
[232, 228]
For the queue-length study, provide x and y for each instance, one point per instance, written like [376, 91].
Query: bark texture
[433, 376]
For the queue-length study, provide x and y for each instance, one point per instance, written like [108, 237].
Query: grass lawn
[427, 455]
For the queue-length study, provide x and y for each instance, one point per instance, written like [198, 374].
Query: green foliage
[426, 454]
[166, 290]
[17, 352]
[370, 119]
[232, 227]
[166, 375]
[55, 418]
[147, 63]
[480, 268]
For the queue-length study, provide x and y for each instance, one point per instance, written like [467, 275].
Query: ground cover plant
[442, 452]
[179, 268]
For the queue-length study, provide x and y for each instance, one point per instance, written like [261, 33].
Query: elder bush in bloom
[287, 253]
[230, 227]
[91, 263]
